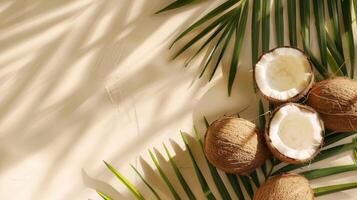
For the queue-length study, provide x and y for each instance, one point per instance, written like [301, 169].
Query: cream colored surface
[83, 81]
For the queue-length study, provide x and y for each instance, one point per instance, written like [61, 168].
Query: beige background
[83, 81]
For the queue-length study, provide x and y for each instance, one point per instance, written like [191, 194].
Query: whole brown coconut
[285, 187]
[336, 100]
[235, 145]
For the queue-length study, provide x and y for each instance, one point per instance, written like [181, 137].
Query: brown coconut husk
[285, 187]
[275, 151]
[336, 101]
[296, 97]
[235, 145]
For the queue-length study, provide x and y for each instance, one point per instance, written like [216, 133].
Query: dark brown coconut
[279, 154]
[285, 187]
[235, 145]
[336, 101]
[298, 96]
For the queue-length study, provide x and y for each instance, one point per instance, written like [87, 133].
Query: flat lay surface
[82, 81]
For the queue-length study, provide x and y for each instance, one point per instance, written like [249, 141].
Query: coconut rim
[297, 96]
[250, 168]
[280, 155]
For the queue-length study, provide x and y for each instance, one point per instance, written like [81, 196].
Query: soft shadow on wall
[56, 64]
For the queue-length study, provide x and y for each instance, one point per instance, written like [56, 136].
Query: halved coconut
[284, 75]
[294, 133]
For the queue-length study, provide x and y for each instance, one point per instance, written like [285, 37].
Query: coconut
[294, 133]
[284, 74]
[235, 145]
[336, 101]
[285, 187]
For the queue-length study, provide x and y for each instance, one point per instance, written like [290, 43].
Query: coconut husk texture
[297, 97]
[285, 187]
[336, 101]
[275, 151]
[235, 145]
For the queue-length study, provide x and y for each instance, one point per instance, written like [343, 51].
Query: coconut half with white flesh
[283, 75]
[294, 133]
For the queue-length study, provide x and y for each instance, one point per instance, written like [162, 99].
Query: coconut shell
[235, 145]
[275, 151]
[285, 187]
[296, 97]
[336, 101]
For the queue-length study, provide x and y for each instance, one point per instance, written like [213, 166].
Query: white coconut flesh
[295, 132]
[283, 73]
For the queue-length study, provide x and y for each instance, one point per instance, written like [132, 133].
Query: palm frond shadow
[68, 117]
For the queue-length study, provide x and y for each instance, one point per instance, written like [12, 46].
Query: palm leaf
[213, 35]
[305, 23]
[333, 64]
[279, 22]
[240, 30]
[333, 11]
[319, 12]
[247, 185]
[146, 183]
[337, 57]
[205, 188]
[348, 34]
[216, 47]
[104, 196]
[265, 25]
[292, 22]
[164, 177]
[221, 8]
[255, 30]
[323, 155]
[333, 138]
[233, 180]
[334, 188]
[177, 4]
[205, 31]
[322, 172]
[355, 151]
[125, 181]
[223, 50]
[262, 126]
[180, 177]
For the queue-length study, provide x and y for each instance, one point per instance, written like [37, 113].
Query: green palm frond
[255, 30]
[104, 196]
[265, 25]
[145, 182]
[177, 4]
[218, 27]
[164, 177]
[355, 151]
[179, 175]
[334, 188]
[239, 182]
[322, 172]
[125, 181]
[204, 185]
[292, 22]
[279, 22]
[348, 34]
